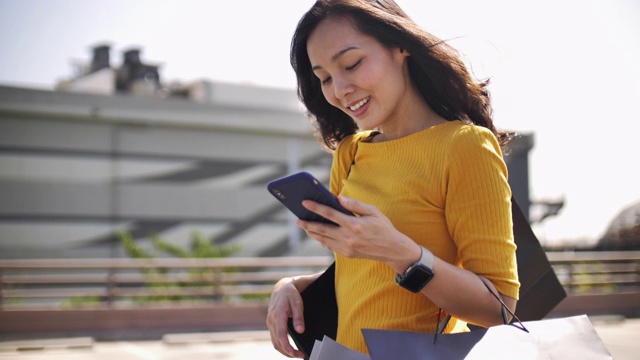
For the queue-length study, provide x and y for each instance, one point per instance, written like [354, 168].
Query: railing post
[1, 288]
[571, 277]
[217, 280]
[110, 287]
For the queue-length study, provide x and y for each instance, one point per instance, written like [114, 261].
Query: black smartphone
[293, 189]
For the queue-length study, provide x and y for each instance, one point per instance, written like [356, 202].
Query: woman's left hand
[369, 235]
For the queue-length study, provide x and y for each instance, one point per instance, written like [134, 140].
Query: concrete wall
[75, 168]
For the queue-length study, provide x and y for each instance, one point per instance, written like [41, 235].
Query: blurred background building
[624, 231]
[113, 148]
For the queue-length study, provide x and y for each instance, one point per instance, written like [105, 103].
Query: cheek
[377, 76]
[328, 94]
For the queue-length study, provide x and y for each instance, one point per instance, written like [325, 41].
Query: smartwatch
[418, 275]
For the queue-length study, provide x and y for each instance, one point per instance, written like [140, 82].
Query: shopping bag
[540, 289]
[560, 338]
[557, 338]
[320, 312]
[329, 349]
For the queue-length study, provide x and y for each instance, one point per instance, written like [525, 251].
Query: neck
[415, 119]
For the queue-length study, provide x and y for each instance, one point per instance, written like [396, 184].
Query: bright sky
[565, 70]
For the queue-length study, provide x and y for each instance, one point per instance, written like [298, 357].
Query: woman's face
[358, 74]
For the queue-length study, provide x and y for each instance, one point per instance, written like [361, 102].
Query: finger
[356, 206]
[296, 307]
[290, 352]
[297, 315]
[285, 348]
[280, 339]
[315, 229]
[273, 321]
[318, 232]
[325, 211]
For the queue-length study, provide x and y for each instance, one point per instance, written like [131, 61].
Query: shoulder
[343, 159]
[460, 131]
[467, 137]
[350, 143]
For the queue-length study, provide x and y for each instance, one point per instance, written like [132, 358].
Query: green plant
[199, 248]
[159, 279]
[80, 301]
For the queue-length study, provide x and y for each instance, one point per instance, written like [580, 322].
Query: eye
[354, 65]
[326, 81]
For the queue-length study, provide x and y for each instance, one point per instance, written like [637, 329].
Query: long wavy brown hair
[435, 68]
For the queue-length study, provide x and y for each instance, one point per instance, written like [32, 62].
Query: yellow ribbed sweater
[446, 188]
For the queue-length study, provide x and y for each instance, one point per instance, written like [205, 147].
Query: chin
[365, 125]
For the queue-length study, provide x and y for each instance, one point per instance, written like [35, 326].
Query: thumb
[355, 206]
[297, 318]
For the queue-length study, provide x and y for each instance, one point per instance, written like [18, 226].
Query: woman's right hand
[285, 303]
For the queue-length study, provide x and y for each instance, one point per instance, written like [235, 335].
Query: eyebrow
[336, 56]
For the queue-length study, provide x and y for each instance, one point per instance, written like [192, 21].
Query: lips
[359, 104]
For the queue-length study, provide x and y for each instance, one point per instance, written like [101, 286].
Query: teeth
[359, 104]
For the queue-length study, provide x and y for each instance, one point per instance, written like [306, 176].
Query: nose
[342, 86]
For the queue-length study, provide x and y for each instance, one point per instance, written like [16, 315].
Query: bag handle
[505, 312]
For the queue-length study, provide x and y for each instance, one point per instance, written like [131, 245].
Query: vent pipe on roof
[131, 57]
[100, 58]
[136, 77]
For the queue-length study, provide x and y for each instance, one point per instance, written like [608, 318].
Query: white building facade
[76, 168]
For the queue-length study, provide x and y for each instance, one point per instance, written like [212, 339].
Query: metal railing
[128, 282]
[597, 272]
[66, 283]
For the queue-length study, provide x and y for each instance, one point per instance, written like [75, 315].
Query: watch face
[417, 277]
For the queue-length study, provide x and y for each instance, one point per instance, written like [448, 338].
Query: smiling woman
[417, 157]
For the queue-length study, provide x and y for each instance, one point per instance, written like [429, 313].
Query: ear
[400, 53]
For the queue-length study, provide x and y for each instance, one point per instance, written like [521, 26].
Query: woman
[418, 158]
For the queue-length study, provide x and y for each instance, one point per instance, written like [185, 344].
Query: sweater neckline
[368, 136]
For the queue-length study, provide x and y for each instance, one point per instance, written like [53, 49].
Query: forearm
[463, 294]
[459, 292]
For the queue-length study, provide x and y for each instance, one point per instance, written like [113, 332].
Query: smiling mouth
[359, 104]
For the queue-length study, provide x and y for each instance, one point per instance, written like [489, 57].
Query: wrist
[418, 274]
[287, 281]
[412, 256]
[302, 282]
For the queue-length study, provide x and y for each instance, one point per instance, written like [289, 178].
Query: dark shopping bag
[558, 338]
[540, 290]
[320, 312]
